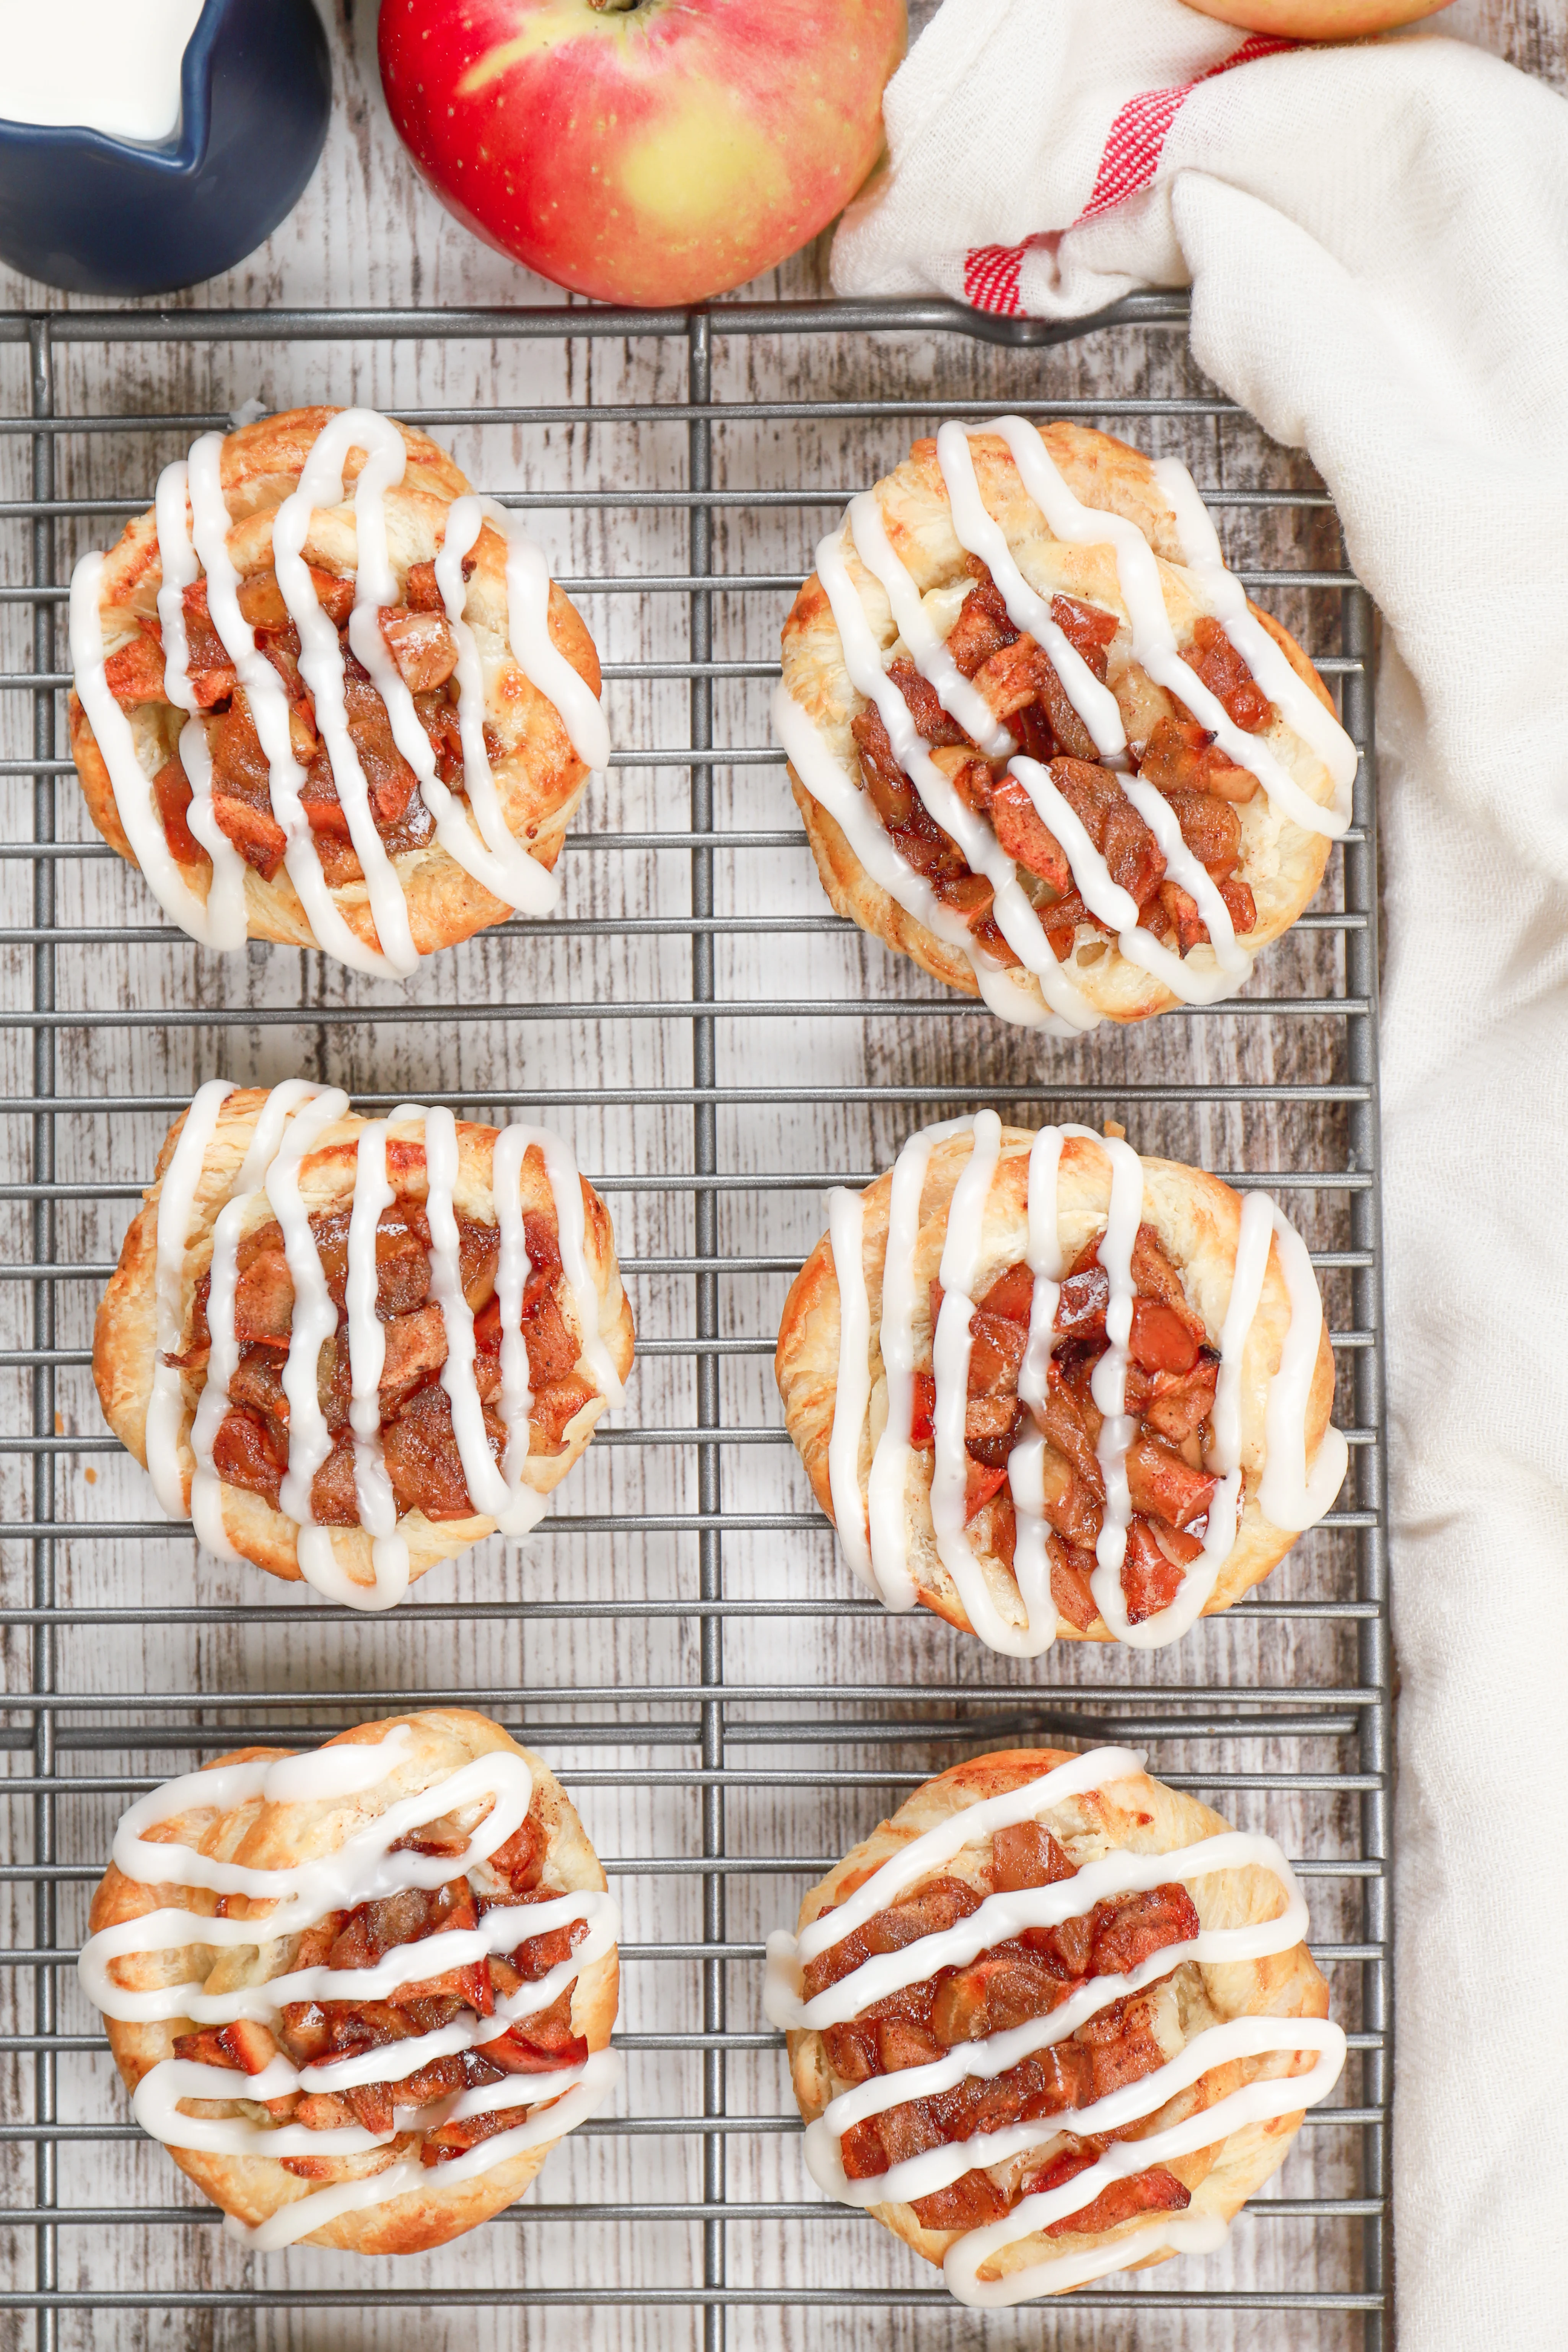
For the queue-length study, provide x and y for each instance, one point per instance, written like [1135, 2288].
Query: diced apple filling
[1024, 690]
[1007, 1985]
[315, 2032]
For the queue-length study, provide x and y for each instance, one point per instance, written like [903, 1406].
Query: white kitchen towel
[1377, 238]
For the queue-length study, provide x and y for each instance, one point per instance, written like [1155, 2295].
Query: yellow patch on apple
[702, 163]
[561, 22]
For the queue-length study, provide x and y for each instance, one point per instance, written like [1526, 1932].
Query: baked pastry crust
[1281, 862]
[1197, 1220]
[278, 1836]
[125, 1337]
[539, 777]
[1144, 1816]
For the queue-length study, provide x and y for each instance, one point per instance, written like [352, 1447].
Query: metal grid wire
[680, 1639]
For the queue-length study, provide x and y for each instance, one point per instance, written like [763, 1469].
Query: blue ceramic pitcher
[102, 216]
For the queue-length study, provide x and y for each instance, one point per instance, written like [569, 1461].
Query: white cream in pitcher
[112, 66]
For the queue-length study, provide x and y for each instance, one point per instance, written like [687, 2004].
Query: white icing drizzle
[407, 1964]
[522, 1509]
[979, 533]
[487, 1487]
[366, 1337]
[1286, 1494]
[223, 1359]
[815, 763]
[852, 1389]
[528, 619]
[1175, 2233]
[886, 1503]
[1045, 1262]
[572, 1232]
[584, 2090]
[130, 784]
[1291, 696]
[1026, 1463]
[999, 1918]
[875, 1544]
[177, 1201]
[1256, 2102]
[289, 1125]
[960, 1257]
[1199, 1580]
[494, 856]
[1108, 1382]
[347, 1770]
[268, 708]
[937, 1846]
[927, 650]
[1011, 909]
[362, 1868]
[477, 838]
[1191, 875]
[1153, 639]
[314, 1322]
[1116, 907]
[226, 913]
[411, 1964]
[321, 662]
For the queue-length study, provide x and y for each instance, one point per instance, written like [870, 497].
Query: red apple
[648, 151]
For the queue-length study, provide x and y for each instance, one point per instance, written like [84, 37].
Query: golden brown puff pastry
[401, 2109]
[1025, 1963]
[459, 1281]
[968, 1379]
[434, 786]
[1056, 830]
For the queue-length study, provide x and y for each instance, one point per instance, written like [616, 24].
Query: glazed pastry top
[989, 2022]
[380, 1325]
[336, 714]
[1034, 770]
[388, 1935]
[1036, 1361]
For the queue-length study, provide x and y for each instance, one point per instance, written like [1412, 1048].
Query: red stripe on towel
[1128, 166]
[1138, 135]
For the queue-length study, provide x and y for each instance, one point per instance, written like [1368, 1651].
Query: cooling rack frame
[705, 1720]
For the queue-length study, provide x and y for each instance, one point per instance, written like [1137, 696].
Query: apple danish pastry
[1041, 741]
[350, 1348]
[1043, 1386]
[352, 718]
[1052, 2020]
[427, 2008]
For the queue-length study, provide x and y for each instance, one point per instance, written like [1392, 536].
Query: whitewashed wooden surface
[366, 233]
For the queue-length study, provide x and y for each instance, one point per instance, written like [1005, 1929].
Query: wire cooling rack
[680, 1639]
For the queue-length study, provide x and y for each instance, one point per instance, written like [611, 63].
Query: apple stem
[615, 7]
